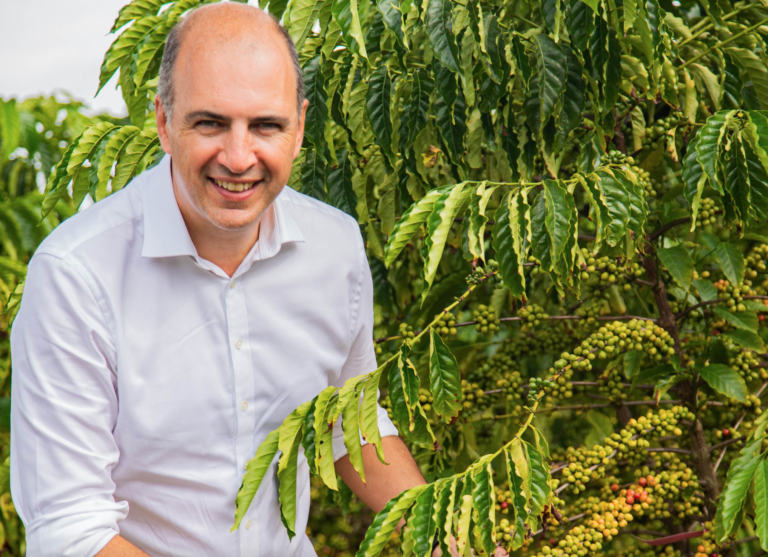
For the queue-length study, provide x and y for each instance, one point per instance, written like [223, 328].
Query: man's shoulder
[118, 211]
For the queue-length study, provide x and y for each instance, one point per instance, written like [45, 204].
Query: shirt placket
[237, 329]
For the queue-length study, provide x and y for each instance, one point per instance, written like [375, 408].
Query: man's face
[235, 129]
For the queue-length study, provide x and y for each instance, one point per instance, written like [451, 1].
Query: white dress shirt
[144, 378]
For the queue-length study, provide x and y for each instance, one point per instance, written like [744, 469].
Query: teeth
[231, 186]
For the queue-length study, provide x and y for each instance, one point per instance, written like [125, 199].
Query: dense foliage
[564, 204]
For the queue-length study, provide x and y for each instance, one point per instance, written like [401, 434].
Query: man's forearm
[382, 482]
[119, 547]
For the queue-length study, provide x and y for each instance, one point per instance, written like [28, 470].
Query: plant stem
[721, 44]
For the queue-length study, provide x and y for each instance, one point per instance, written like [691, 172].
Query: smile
[234, 186]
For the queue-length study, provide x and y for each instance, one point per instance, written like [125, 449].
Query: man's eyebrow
[270, 119]
[205, 115]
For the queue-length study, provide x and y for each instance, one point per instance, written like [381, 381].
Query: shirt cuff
[386, 429]
[75, 532]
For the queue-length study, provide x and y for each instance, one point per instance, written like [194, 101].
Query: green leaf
[742, 320]
[404, 391]
[707, 291]
[313, 175]
[85, 150]
[600, 422]
[573, 99]
[444, 379]
[350, 423]
[345, 12]
[632, 360]
[10, 127]
[136, 10]
[369, 412]
[421, 522]
[617, 202]
[756, 174]
[443, 512]
[753, 66]
[114, 148]
[452, 124]
[652, 374]
[724, 380]
[393, 18]
[761, 503]
[323, 438]
[287, 478]
[731, 262]
[678, 262]
[478, 219]
[521, 58]
[558, 219]
[304, 14]
[581, 21]
[708, 146]
[464, 520]
[125, 45]
[707, 83]
[736, 180]
[747, 339]
[412, 219]
[491, 32]
[540, 477]
[735, 490]
[150, 55]
[552, 70]
[255, 471]
[440, 32]
[693, 178]
[142, 146]
[414, 116]
[339, 182]
[386, 520]
[378, 100]
[439, 224]
[317, 111]
[308, 437]
[509, 247]
[519, 485]
[483, 502]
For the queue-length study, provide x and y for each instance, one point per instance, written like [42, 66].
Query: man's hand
[119, 547]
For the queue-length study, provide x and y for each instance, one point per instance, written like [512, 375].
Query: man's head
[230, 111]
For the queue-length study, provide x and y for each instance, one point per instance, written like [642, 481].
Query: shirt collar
[166, 235]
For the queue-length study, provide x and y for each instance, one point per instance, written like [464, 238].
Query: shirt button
[245, 466]
[244, 406]
[232, 284]
[248, 525]
[239, 343]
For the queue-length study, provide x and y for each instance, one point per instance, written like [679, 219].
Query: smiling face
[235, 128]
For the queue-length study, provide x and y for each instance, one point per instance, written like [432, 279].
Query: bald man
[165, 331]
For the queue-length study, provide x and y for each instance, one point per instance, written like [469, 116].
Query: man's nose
[238, 153]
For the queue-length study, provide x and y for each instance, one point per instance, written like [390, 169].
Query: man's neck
[224, 248]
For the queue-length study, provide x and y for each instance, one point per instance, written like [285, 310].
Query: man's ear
[161, 120]
[299, 130]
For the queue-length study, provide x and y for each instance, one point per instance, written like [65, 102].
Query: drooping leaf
[422, 522]
[140, 148]
[313, 175]
[731, 262]
[345, 13]
[735, 490]
[746, 320]
[350, 423]
[540, 477]
[444, 379]
[724, 380]
[440, 32]
[412, 219]
[317, 111]
[323, 438]
[378, 100]
[386, 520]
[478, 219]
[761, 503]
[747, 339]
[414, 117]
[483, 502]
[552, 72]
[679, 263]
[710, 136]
[255, 471]
[339, 183]
[508, 258]
[573, 98]
[304, 14]
[443, 512]
[369, 412]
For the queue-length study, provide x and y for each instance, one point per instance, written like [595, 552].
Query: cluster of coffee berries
[706, 214]
[446, 324]
[731, 295]
[472, 394]
[426, 399]
[487, 322]
[406, 331]
[656, 135]
[536, 385]
[480, 274]
[745, 362]
[620, 336]
[584, 465]
[532, 316]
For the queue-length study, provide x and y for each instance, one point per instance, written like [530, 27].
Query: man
[167, 330]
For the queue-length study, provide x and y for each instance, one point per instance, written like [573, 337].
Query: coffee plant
[564, 204]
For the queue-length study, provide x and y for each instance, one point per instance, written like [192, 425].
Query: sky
[50, 45]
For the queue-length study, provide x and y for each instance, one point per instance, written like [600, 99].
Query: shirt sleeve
[63, 410]
[362, 354]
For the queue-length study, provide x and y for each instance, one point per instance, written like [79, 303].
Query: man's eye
[208, 124]
[268, 126]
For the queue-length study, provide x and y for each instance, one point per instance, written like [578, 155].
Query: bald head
[215, 25]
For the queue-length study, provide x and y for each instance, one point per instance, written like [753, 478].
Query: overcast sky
[47, 45]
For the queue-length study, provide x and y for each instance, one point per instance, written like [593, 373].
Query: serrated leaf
[369, 412]
[735, 490]
[540, 477]
[558, 219]
[754, 67]
[317, 111]
[694, 179]
[443, 512]
[345, 13]
[724, 380]
[731, 262]
[478, 219]
[708, 147]
[521, 58]
[255, 471]
[573, 99]
[761, 503]
[339, 183]
[384, 523]
[412, 219]
[678, 262]
[313, 175]
[378, 100]
[440, 32]
[580, 19]
[452, 125]
[439, 224]
[552, 71]
[508, 246]
[617, 202]
[484, 504]
[141, 146]
[421, 522]
[757, 175]
[414, 117]
[444, 379]
[747, 339]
